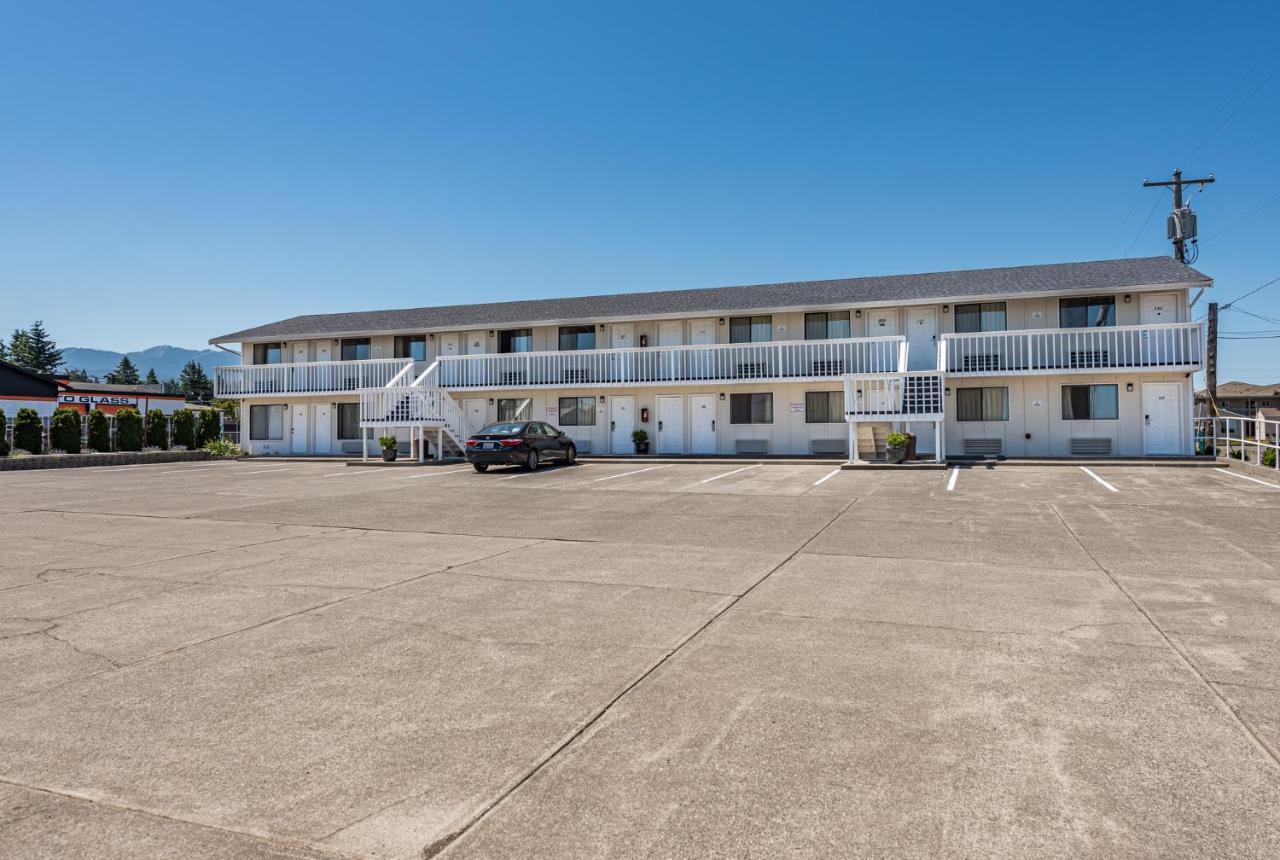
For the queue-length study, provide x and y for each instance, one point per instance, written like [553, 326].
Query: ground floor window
[982, 404]
[1090, 402]
[823, 407]
[515, 409]
[577, 412]
[348, 420]
[266, 423]
[750, 408]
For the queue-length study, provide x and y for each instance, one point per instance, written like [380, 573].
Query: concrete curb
[80, 461]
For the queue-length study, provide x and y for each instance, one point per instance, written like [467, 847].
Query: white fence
[305, 377]
[1252, 440]
[776, 360]
[1175, 346]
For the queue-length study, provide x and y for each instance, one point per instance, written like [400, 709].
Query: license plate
[490, 446]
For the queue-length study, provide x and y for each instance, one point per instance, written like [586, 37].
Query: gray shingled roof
[973, 283]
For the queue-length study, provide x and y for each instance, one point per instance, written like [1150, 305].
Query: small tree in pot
[641, 440]
[388, 444]
[896, 447]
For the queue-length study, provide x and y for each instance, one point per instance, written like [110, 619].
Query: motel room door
[474, 408]
[324, 427]
[298, 443]
[670, 424]
[702, 423]
[922, 339]
[622, 420]
[1161, 418]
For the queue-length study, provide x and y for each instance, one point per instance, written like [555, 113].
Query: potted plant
[896, 447]
[641, 441]
[388, 444]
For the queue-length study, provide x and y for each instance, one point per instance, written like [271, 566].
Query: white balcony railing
[776, 360]
[401, 405]
[898, 396]
[1175, 346]
[306, 377]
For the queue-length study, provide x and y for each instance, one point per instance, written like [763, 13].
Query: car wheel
[570, 454]
[531, 462]
[480, 467]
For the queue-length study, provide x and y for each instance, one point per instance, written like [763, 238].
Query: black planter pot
[642, 447]
[895, 455]
[389, 455]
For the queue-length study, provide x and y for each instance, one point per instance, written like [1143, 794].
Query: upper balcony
[1176, 346]
[305, 377]
[789, 361]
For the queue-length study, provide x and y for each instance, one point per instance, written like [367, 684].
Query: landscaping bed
[119, 458]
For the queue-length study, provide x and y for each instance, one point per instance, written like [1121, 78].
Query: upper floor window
[515, 340]
[981, 316]
[411, 346]
[1087, 312]
[831, 324]
[750, 329]
[573, 337]
[355, 348]
[268, 353]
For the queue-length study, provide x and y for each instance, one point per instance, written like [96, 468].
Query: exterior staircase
[420, 404]
[871, 441]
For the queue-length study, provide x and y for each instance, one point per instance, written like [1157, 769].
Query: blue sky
[170, 172]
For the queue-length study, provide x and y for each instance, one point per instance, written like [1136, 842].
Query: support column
[439, 444]
[422, 444]
[939, 454]
[853, 442]
[364, 444]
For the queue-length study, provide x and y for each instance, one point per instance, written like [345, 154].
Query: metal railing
[1236, 437]
[306, 377]
[1173, 346]
[407, 405]
[776, 360]
[883, 397]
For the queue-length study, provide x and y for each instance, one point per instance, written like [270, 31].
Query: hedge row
[132, 431]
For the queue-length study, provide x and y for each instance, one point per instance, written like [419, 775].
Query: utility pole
[1211, 360]
[1182, 222]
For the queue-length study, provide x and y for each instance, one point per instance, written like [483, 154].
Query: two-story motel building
[1086, 359]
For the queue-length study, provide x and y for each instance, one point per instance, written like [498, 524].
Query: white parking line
[636, 472]
[827, 476]
[265, 471]
[1248, 478]
[951, 481]
[356, 472]
[434, 474]
[191, 469]
[727, 474]
[1091, 474]
[542, 472]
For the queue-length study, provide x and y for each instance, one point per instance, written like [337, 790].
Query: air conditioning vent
[515, 378]
[753, 370]
[832, 367]
[575, 376]
[1089, 358]
[984, 447]
[981, 363]
[1091, 447]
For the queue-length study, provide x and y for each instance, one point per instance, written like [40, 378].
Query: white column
[422, 444]
[364, 444]
[439, 444]
[853, 442]
[939, 454]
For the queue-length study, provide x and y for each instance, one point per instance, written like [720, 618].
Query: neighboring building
[1241, 398]
[1077, 358]
[84, 396]
[24, 389]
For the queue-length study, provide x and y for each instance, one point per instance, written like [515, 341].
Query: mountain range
[167, 361]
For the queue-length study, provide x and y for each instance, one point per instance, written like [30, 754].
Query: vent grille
[512, 378]
[980, 363]
[832, 367]
[984, 447]
[752, 370]
[1091, 447]
[576, 376]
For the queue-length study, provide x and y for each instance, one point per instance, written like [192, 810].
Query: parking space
[303, 659]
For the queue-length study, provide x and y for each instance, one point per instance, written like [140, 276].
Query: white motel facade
[1089, 359]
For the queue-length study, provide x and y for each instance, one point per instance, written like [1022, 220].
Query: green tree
[78, 375]
[4, 352]
[152, 379]
[99, 431]
[157, 430]
[45, 357]
[184, 428]
[125, 373]
[18, 349]
[209, 427]
[64, 431]
[226, 406]
[28, 432]
[128, 430]
[4, 432]
[195, 382]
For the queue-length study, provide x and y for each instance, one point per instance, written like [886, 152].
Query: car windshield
[505, 428]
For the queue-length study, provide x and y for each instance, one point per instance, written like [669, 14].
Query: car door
[548, 441]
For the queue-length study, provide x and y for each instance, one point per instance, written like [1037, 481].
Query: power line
[1257, 316]
[1251, 292]
[1145, 222]
[1245, 218]
[1256, 141]
[1247, 99]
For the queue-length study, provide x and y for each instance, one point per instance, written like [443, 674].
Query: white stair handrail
[421, 380]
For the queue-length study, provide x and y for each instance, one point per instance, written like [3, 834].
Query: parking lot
[297, 659]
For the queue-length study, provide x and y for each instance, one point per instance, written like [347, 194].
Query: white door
[1161, 347]
[477, 343]
[881, 322]
[324, 428]
[702, 423]
[922, 339]
[448, 345]
[670, 424]
[1159, 308]
[671, 333]
[476, 412]
[324, 350]
[701, 363]
[300, 352]
[298, 433]
[622, 420]
[622, 336]
[1162, 418]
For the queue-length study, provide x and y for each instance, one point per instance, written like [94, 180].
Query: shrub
[27, 431]
[4, 431]
[157, 430]
[128, 430]
[64, 431]
[184, 428]
[897, 440]
[222, 448]
[1269, 458]
[387, 441]
[639, 437]
[207, 428]
[99, 431]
